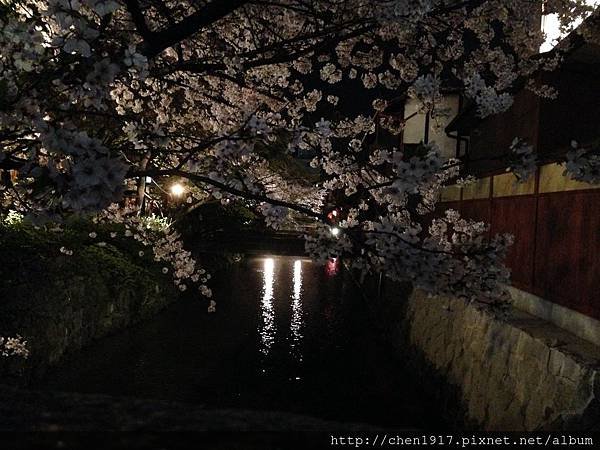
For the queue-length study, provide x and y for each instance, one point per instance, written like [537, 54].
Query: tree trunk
[141, 185]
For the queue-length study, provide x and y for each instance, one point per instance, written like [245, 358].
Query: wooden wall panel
[479, 210]
[516, 215]
[567, 268]
[556, 254]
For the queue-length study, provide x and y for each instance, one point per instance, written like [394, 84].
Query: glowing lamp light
[335, 231]
[332, 267]
[177, 189]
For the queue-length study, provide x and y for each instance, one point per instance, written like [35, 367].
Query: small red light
[332, 267]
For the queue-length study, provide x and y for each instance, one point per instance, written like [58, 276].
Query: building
[555, 260]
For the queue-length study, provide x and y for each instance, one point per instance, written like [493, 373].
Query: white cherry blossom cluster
[322, 245]
[14, 346]
[72, 24]
[524, 160]
[166, 245]
[331, 74]
[90, 178]
[95, 95]
[488, 100]
[426, 89]
[583, 164]
[408, 10]
[274, 215]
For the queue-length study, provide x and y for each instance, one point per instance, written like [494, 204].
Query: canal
[288, 335]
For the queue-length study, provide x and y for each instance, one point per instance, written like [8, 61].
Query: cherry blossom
[14, 346]
[97, 96]
[583, 164]
[525, 160]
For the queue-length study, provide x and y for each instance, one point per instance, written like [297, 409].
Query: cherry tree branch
[189, 26]
[231, 190]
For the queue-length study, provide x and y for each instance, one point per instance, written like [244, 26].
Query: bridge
[283, 242]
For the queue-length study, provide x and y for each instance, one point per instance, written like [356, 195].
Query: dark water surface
[288, 335]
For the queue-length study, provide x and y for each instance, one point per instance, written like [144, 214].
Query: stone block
[512, 374]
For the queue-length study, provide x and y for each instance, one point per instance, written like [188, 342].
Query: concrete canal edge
[519, 373]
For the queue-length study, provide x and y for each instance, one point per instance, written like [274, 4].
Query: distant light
[332, 267]
[551, 27]
[335, 231]
[269, 265]
[148, 179]
[177, 189]
[334, 213]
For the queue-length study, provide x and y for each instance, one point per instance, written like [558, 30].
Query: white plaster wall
[414, 131]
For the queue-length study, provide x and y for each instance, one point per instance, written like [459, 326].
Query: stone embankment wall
[515, 373]
[71, 301]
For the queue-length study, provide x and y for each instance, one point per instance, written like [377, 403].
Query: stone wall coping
[514, 371]
[556, 338]
[576, 323]
[551, 335]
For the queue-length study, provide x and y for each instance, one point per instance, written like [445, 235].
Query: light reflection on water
[290, 336]
[296, 323]
[267, 331]
[269, 327]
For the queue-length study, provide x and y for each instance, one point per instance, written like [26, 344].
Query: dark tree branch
[139, 20]
[212, 12]
[281, 56]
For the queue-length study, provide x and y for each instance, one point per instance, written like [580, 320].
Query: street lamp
[177, 189]
[335, 231]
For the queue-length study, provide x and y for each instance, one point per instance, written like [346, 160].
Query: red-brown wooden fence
[556, 254]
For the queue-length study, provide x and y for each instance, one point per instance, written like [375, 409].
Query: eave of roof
[574, 49]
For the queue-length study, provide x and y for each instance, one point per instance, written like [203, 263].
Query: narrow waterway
[288, 335]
